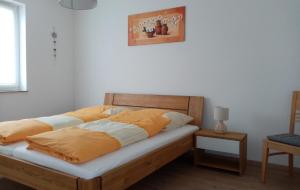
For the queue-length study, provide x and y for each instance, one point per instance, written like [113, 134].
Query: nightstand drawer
[216, 144]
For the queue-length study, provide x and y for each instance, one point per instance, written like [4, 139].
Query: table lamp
[221, 114]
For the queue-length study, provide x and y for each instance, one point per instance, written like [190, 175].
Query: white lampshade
[78, 4]
[221, 114]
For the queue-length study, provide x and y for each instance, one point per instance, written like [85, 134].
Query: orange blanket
[13, 131]
[151, 120]
[73, 144]
[91, 140]
[90, 113]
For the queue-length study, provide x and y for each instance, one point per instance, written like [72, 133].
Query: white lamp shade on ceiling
[78, 4]
[221, 114]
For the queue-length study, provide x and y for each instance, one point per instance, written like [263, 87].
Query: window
[12, 47]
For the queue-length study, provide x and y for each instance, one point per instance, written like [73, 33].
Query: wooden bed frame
[43, 178]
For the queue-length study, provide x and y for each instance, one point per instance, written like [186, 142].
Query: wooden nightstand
[223, 151]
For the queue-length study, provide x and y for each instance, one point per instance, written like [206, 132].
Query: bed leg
[93, 184]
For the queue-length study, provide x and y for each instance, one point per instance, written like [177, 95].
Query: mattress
[107, 162]
[9, 149]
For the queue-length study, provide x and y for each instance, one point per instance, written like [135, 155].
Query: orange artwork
[156, 27]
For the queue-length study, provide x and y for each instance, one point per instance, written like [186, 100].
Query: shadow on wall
[208, 121]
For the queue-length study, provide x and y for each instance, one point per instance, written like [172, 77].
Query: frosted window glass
[12, 46]
[8, 49]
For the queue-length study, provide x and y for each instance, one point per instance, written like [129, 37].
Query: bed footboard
[93, 184]
[35, 176]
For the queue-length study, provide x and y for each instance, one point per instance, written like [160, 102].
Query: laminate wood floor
[182, 175]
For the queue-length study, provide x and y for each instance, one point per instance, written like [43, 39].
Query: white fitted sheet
[107, 162]
[9, 149]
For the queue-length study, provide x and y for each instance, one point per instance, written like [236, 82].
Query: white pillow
[115, 110]
[177, 120]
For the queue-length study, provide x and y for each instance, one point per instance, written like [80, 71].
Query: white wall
[50, 83]
[238, 53]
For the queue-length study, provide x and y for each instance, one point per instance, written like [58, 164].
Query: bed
[119, 175]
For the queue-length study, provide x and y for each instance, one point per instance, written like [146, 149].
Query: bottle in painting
[158, 27]
[164, 29]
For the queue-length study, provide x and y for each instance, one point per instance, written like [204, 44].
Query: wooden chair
[285, 143]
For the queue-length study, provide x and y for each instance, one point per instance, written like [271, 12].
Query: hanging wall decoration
[156, 27]
[54, 37]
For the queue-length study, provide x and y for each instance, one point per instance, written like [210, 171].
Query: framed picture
[163, 26]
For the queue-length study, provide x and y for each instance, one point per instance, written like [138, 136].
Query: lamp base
[220, 127]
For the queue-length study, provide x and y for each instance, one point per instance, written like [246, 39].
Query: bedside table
[222, 151]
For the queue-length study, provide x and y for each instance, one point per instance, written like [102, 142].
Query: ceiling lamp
[78, 4]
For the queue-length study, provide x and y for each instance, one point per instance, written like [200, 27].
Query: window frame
[20, 40]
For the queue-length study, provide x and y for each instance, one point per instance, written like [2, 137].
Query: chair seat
[290, 139]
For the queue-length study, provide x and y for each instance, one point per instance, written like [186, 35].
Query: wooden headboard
[191, 105]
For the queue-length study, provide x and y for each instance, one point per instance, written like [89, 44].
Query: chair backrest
[295, 111]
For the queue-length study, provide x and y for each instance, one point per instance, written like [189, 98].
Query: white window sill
[12, 91]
